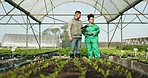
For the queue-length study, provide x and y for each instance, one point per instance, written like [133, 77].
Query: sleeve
[97, 31]
[69, 28]
[85, 33]
[81, 24]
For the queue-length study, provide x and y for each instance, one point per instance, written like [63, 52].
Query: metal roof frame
[23, 10]
[11, 2]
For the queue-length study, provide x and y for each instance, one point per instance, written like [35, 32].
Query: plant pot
[111, 58]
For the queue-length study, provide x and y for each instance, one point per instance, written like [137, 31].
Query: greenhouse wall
[19, 40]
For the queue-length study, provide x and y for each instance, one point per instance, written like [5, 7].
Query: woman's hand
[70, 39]
[90, 33]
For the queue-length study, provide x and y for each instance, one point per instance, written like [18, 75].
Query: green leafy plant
[105, 73]
[83, 72]
[129, 75]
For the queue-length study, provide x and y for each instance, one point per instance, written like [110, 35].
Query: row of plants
[107, 69]
[111, 70]
[142, 60]
[24, 52]
[130, 47]
[130, 54]
[41, 69]
[96, 68]
[82, 69]
[66, 51]
[117, 52]
[72, 68]
[126, 53]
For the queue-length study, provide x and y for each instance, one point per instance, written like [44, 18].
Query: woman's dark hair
[90, 15]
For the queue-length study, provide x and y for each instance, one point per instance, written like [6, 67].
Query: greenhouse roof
[110, 9]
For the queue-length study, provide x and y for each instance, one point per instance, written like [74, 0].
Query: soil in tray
[69, 71]
[120, 74]
[72, 71]
[46, 71]
[91, 72]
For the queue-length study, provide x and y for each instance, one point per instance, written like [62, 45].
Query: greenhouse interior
[74, 39]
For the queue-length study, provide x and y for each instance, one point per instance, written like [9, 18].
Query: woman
[91, 31]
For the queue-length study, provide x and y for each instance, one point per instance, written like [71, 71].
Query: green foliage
[140, 55]
[83, 72]
[66, 51]
[77, 62]
[83, 51]
[34, 68]
[106, 64]
[22, 52]
[42, 76]
[83, 69]
[143, 60]
[105, 73]
[129, 75]
[131, 47]
[94, 64]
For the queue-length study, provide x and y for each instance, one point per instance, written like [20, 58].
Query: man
[75, 34]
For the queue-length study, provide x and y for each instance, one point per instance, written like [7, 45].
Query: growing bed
[74, 68]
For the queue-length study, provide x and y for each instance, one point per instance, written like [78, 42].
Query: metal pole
[39, 36]
[27, 33]
[108, 33]
[8, 14]
[121, 33]
[45, 23]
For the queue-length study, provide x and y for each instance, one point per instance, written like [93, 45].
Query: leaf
[42, 76]
[129, 75]
[107, 73]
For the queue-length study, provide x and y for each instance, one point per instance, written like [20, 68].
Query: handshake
[84, 28]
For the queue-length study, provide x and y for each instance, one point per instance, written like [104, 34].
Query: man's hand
[83, 29]
[70, 39]
[90, 33]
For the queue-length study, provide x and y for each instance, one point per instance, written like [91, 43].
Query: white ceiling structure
[110, 9]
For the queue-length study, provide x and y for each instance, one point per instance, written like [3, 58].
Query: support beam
[121, 33]
[39, 36]
[127, 8]
[27, 32]
[45, 23]
[68, 14]
[108, 34]
[22, 9]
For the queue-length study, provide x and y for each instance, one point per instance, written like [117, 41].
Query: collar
[75, 19]
[89, 24]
